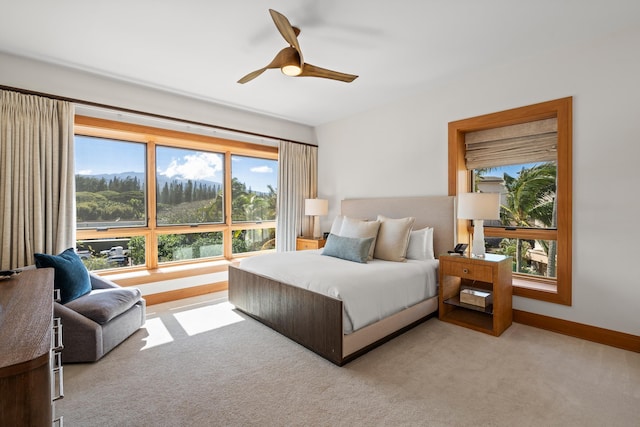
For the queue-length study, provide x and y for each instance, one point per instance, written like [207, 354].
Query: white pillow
[336, 225]
[362, 229]
[393, 238]
[421, 244]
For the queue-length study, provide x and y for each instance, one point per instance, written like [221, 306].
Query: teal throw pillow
[71, 276]
[350, 248]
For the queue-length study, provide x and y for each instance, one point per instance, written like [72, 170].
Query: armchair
[97, 322]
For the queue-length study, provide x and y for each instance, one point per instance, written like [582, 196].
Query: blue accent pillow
[71, 276]
[350, 248]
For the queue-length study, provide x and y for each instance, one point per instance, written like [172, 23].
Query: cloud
[262, 169]
[195, 166]
[85, 172]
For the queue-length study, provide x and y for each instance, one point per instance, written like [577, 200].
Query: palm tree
[531, 202]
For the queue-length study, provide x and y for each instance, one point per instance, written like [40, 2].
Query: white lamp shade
[316, 207]
[479, 206]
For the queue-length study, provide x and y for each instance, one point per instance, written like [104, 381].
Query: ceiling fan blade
[287, 31]
[309, 70]
[284, 57]
[252, 75]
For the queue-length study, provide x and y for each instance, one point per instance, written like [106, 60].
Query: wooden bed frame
[314, 320]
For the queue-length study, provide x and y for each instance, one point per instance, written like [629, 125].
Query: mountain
[160, 179]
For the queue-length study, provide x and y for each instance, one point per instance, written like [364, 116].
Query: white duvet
[370, 292]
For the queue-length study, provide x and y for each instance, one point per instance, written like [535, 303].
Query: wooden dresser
[30, 371]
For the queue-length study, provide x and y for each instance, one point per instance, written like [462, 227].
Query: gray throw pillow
[102, 305]
[349, 248]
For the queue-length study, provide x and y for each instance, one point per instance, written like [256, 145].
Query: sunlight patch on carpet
[158, 333]
[203, 319]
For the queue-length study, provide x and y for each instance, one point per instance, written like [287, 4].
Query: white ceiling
[200, 48]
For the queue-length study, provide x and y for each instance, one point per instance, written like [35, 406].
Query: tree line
[123, 199]
[175, 192]
[94, 185]
[172, 193]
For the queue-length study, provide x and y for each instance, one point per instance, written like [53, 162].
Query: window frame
[152, 137]
[558, 290]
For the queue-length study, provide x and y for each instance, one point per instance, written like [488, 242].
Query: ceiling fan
[290, 60]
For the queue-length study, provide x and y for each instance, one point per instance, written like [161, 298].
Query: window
[253, 194]
[110, 183]
[527, 202]
[148, 197]
[533, 175]
[115, 252]
[189, 246]
[253, 188]
[189, 186]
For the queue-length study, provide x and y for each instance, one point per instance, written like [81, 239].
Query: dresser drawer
[469, 271]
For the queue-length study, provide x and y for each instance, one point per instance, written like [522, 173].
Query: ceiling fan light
[291, 70]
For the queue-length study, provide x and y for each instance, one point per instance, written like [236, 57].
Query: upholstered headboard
[429, 211]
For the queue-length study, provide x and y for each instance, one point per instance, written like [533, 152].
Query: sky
[512, 170]
[95, 156]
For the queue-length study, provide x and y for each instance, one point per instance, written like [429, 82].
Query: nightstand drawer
[469, 271]
[303, 244]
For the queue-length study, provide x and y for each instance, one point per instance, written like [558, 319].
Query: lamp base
[478, 249]
[316, 228]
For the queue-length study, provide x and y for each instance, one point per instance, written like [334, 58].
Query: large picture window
[149, 197]
[525, 155]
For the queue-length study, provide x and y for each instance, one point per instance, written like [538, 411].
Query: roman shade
[511, 145]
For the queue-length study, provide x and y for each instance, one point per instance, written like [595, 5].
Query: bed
[316, 318]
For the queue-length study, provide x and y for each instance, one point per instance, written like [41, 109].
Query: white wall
[401, 150]
[52, 79]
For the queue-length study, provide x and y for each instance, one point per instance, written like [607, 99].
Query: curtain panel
[297, 181]
[37, 185]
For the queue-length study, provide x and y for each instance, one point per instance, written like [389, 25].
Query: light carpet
[197, 362]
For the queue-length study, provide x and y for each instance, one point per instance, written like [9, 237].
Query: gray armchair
[97, 322]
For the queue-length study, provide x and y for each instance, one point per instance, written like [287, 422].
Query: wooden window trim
[152, 137]
[460, 182]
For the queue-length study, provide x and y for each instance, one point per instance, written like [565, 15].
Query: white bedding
[370, 292]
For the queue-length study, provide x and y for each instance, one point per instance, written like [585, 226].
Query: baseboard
[191, 291]
[579, 330]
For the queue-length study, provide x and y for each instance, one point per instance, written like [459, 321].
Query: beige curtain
[37, 188]
[297, 180]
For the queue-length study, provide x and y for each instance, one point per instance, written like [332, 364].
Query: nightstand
[305, 243]
[490, 274]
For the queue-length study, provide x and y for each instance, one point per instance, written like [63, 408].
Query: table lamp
[478, 207]
[316, 208]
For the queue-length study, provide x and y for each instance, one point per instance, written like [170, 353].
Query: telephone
[459, 249]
